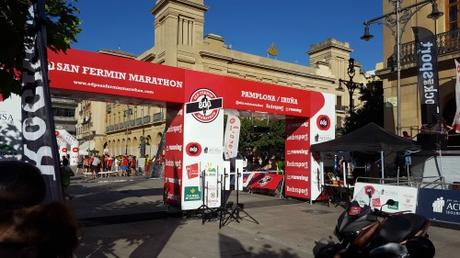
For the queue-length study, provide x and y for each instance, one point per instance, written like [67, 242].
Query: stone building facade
[179, 41]
[448, 38]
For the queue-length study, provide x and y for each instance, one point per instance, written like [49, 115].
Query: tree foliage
[62, 27]
[372, 109]
[262, 136]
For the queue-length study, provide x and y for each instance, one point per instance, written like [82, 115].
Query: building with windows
[179, 41]
[64, 114]
[446, 29]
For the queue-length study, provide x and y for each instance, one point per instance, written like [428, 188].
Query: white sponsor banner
[322, 129]
[232, 134]
[10, 128]
[62, 136]
[456, 122]
[202, 157]
[405, 197]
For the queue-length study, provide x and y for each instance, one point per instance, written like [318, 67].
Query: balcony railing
[448, 42]
[146, 120]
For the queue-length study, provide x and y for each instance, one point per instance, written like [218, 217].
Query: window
[452, 14]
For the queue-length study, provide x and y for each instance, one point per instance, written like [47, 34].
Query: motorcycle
[367, 232]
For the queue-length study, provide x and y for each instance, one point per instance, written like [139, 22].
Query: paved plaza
[124, 217]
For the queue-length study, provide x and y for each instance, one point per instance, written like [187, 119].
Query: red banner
[87, 72]
[173, 158]
[90, 72]
[297, 158]
[267, 182]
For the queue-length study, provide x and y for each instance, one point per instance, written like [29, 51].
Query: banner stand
[239, 207]
[204, 209]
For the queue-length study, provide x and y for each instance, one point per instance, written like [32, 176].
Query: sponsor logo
[296, 164]
[298, 137]
[193, 149]
[192, 193]
[297, 177]
[175, 129]
[204, 105]
[74, 149]
[6, 117]
[369, 190]
[265, 180]
[297, 125]
[174, 164]
[395, 206]
[192, 170]
[323, 122]
[438, 205]
[174, 147]
[64, 149]
[211, 171]
[297, 152]
[212, 150]
[303, 191]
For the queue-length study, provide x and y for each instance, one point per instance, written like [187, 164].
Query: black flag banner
[39, 141]
[428, 82]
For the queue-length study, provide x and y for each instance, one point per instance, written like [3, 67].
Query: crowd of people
[263, 161]
[107, 165]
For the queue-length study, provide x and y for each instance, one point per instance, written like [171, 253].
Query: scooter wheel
[420, 247]
[328, 251]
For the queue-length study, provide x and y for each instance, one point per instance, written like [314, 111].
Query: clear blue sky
[248, 25]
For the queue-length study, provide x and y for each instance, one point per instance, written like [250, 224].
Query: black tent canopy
[368, 138]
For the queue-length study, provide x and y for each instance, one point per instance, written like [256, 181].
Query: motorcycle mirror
[390, 202]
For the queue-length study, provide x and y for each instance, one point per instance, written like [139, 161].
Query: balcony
[138, 122]
[448, 43]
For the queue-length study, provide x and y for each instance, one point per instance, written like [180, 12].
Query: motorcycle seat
[400, 227]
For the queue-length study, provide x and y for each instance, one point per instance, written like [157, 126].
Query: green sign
[192, 193]
[394, 207]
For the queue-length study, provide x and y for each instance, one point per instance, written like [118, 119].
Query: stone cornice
[162, 3]
[266, 67]
[330, 43]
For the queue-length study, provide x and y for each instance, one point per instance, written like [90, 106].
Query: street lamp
[396, 21]
[350, 84]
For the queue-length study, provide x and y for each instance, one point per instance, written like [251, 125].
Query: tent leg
[382, 161]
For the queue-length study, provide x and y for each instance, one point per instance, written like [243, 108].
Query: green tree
[263, 136]
[372, 109]
[62, 27]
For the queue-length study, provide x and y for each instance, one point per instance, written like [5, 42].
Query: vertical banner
[297, 158]
[428, 82]
[173, 155]
[456, 122]
[10, 128]
[322, 129]
[232, 134]
[39, 142]
[203, 155]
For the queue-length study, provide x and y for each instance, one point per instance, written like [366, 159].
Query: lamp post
[350, 84]
[396, 21]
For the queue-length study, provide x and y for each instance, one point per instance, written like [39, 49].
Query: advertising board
[439, 204]
[376, 195]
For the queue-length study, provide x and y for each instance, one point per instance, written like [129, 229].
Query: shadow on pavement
[146, 241]
[231, 247]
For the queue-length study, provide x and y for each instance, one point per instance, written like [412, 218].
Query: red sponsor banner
[173, 158]
[267, 182]
[192, 171]
[297, 158]
[257, 96]
[90, 72]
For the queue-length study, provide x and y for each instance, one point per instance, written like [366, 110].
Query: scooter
[367, 232]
